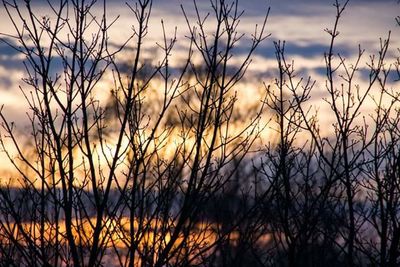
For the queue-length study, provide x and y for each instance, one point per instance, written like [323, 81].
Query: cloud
[299, 22]
[6, 48]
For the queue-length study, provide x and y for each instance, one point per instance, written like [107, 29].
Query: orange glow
[115, 235]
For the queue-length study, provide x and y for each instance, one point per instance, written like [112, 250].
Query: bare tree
[159, 167]
[96, 186]
[345, 153]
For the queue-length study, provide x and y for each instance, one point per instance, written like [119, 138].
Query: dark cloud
[13, 60]
[251, 6]
[9, 55]
[278, 7]
[316, 50]
[309, 50]
[7, 47]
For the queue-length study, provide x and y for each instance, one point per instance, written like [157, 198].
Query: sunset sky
[300, 23]
[104, 142]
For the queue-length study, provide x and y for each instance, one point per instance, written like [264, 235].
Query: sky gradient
[299, 23]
